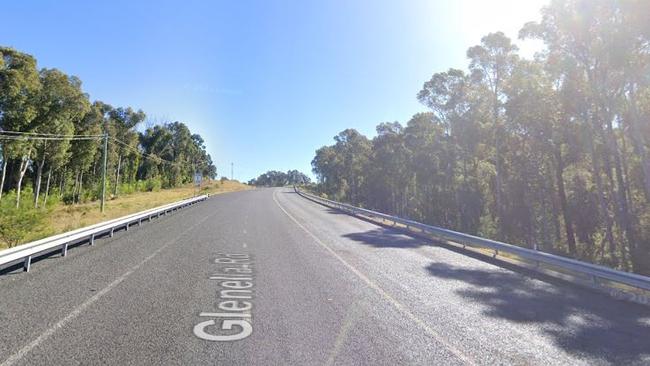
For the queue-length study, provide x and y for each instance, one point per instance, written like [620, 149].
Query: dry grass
[64, 218]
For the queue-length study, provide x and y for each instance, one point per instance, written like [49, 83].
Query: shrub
[152, 185]
[17, 223]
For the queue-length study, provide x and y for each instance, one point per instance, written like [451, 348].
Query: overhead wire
[21, 133]
[23, 136]
[145, 155]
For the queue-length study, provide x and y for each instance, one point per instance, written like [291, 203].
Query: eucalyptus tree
[19, 90]
[491, 63]
[295, 177]
[185, 152]
[354, 150]
[585, 36]
[174, 154]
[272, 178]
[552, 153]
[451, 97]
[156, 143]
[633, 42]
[324, 166]
[387, 176]
[123, 122]
[84, 152]
[61, 105]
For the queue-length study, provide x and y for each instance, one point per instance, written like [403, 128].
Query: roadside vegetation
[55, 144]
[551, 153]
[27, 224]
[274, 178]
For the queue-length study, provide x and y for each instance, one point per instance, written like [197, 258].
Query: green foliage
[152, 185]
[52, 103]
[16, 223]
[275, 178]
[552, 153]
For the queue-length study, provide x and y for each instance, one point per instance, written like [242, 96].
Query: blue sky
[265, 83]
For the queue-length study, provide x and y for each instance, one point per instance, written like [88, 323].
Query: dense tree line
[51, 155]
[551, 153]
[274, 178]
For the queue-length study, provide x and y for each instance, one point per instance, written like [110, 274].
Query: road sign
[197, 178]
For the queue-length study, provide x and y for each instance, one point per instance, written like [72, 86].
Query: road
[313, 286]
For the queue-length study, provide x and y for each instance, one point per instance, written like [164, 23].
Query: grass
[62, 218]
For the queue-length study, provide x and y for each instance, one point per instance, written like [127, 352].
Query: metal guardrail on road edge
[61, 242]
[619, 284]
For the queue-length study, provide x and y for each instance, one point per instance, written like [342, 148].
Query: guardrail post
[27, 264]
[112, 229]
[92, 239]
[127, 227]
[496, 252]
[139, 221]
[64, 250]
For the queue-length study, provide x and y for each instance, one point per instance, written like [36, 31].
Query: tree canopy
[274, 178]
[51, 139]
[551, 153]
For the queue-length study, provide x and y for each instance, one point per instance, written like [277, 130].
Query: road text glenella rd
[231, 321]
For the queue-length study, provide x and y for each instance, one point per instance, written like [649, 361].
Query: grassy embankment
[62, 218]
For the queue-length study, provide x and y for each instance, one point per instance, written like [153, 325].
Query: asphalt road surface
[266, 277]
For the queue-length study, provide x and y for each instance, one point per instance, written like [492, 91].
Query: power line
[148, 156]
[20, 133]
[25, 138]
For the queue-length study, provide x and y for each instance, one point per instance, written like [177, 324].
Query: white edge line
[398, 305]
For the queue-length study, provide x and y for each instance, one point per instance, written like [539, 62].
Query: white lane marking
[245, 245]
[80, 309]
[398, 305]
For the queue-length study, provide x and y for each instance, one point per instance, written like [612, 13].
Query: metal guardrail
[620, 284]
[26, 252]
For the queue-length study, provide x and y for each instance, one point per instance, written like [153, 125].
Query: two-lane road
[311, 286]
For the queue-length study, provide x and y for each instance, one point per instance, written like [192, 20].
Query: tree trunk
[62, 183]
[24, 164]
[639, 144]
[39, 177]
[81, 186]
[626, 167]
[75, 188]
[609, 236]
[568, 224]
[497, 196]
[4, 174]
[47, 187]
[622, 197]
[613, 192]
[117, 175]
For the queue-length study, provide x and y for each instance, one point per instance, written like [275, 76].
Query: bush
[126, 188]
[152, 185]
[17, 223]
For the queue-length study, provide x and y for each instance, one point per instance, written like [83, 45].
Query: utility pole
[104, 172]
[232, 169]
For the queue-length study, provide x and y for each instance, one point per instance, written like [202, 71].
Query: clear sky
[264, 82]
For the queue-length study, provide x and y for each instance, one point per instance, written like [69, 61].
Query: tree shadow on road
[387, 238]
[578, 320]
